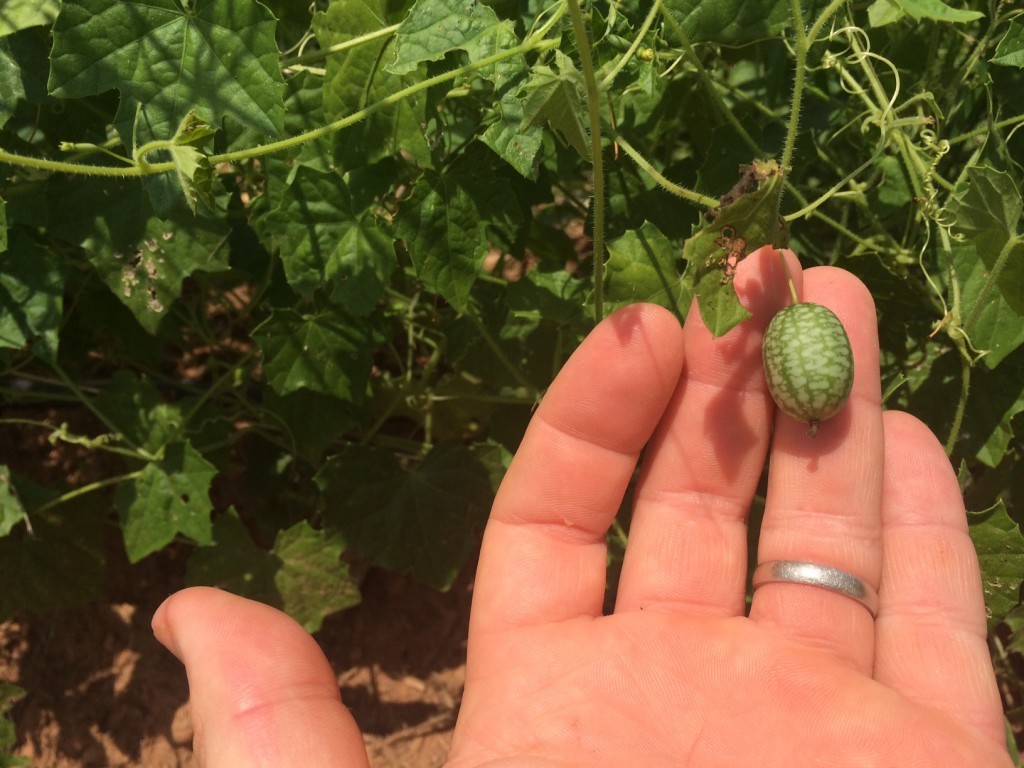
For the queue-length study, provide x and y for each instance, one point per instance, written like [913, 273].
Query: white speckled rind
[808, 362]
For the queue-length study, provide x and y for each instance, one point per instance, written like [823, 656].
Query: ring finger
[824, 494]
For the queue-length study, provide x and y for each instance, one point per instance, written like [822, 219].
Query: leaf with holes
[1000, 546]
[166, 498]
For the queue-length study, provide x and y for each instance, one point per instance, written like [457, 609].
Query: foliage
[300, 277]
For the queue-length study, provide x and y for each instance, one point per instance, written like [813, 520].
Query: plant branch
[83, 490]
[596, 157]
[652, 14]
[961, 406]
[679, 191]
[323, 53]
[990, 282]
[709, 87]
[149, 169]
[798, 85]
[495, 347]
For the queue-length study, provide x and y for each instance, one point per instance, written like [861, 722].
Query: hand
[677, 675]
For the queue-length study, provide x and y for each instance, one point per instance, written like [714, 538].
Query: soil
[102, 693]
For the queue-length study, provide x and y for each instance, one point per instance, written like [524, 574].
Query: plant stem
[822, 20]
[798, 85]
[625, 58]
[789, 277]
[986, 130]
[99, 484]
[990, 281]
[495, 347]
[687, 194]
[114, 429]
[596, 158]
[57, 166]
[709, 86]
[323, 53]
[387, 101]
[277, 146]
[802, 44]
[839, 184]
[961, 406]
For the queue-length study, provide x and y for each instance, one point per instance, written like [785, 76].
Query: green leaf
[558, 99]
[218, 59]
[325, 235]
[133, 406]
[421, 521]
[10, 694]
[731, 22]
[11, 510]
[22, 14]
[3, 226]
[883, 12]
[554, 297]
[195, 175]
[302, 574]
[146, 272]
[748, 220]
[169, 497]
[996, 397]
[1010, 51]
[512, 137]
[434, 28]
[323, 352]
[1000, 546]
[313, 420]
[444, 224]
[141, 258]
[989, 209]
[31, 296]
[313, 581]
[987, 216]
[643, 265]
[356, 78]
[11, 87]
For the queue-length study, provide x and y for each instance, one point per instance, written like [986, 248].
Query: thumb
[262, 692]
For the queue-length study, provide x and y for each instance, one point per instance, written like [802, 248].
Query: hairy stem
[323, 53]
[679, 191]
[277, 146]
[961, 406]
[83, 490]
[625, 58]
[596, 158]
[709, 86]
[801, 46]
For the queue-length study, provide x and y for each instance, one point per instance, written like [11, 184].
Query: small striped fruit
[808, 363]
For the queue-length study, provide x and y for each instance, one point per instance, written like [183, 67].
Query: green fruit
[808, 363]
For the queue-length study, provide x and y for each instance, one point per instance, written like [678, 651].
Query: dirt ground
[102, 693]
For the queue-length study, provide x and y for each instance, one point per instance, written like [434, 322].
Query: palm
[649, 690]
[681, 673]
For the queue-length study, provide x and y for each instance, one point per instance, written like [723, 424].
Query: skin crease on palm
[679, 674]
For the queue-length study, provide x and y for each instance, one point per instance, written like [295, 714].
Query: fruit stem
[789, 277]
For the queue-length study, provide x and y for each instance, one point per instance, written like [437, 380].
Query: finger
[543, 553]
[261, 691]
[688, 536]
[824, 493]
[930, 634]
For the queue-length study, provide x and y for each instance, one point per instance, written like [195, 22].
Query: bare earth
[102, 693]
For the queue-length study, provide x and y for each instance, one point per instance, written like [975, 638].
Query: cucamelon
[808, 363]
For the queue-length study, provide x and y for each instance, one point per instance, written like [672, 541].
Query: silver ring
[814, 575]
